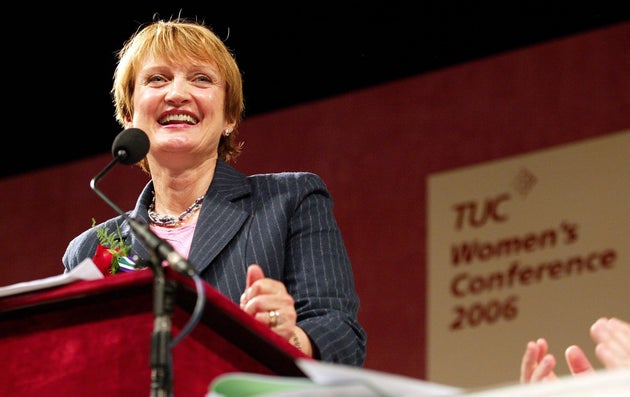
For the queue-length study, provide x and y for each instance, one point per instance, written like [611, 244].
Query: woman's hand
[269, 302]
[612, 337]
[537, 364]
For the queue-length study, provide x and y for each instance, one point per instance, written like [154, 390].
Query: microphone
[129, 147]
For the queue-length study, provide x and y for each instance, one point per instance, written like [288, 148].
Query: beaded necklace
[171, 221]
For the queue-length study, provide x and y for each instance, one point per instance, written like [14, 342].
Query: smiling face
[181, 108]
[177, 81]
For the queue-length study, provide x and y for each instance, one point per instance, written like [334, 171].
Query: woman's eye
[156, 78]
[203, 78]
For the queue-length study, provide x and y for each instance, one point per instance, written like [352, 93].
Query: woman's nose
[177, 92]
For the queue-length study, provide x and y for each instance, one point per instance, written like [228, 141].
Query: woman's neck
[175, 191]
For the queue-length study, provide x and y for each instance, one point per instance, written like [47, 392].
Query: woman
[269, 242]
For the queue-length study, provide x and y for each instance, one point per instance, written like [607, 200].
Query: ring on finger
[273, 318]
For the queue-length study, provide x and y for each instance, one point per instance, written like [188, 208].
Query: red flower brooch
[112, 254]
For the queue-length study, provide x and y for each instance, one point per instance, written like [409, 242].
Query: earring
[227, 132]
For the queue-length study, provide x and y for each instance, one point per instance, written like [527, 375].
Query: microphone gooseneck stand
[129, 147]
[161, 357]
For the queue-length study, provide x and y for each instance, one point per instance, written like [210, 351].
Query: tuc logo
[477, 214]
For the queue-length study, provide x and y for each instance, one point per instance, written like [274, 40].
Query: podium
[94, 338]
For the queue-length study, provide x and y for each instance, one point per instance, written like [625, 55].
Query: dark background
[58, 61]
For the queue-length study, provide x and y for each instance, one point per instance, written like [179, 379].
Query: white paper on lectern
[86, 270]
[386, 384]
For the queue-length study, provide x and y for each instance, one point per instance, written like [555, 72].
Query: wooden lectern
[94, 338]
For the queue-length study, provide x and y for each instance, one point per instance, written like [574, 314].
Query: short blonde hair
[179, 39]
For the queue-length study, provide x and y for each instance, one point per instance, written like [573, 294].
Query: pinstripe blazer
[284, 222]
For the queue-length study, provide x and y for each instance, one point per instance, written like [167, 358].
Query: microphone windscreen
[130, 146]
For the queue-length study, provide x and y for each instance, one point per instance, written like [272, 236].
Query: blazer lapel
[140, 214]
[221, 216]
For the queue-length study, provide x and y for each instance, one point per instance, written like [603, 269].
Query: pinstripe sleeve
[319, 276]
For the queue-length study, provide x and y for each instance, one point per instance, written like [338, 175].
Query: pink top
[179, 237]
